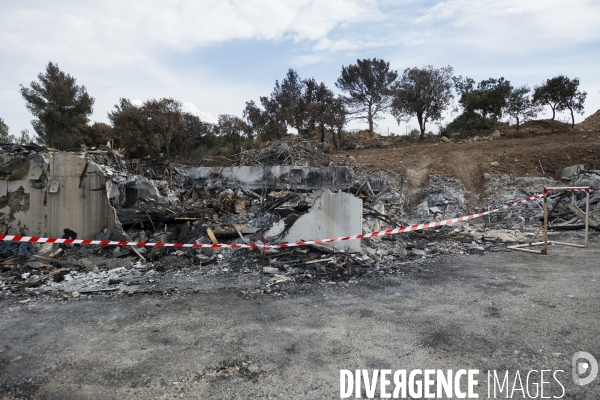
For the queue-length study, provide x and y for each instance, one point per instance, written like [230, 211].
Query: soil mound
[545, 126]
[591, 123]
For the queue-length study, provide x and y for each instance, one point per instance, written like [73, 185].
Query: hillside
[468, 159]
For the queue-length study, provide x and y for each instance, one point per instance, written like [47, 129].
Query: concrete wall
[288, 177]
[568, 172]
[332, 215]
[48, 199]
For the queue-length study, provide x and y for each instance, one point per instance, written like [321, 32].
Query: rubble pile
[442, 198]
[567, 211]
[22, 149]
[503, 189]
[365, 140]
[291, 150]
[158, 201]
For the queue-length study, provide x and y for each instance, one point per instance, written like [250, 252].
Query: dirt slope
[591, 123]
[468, 159]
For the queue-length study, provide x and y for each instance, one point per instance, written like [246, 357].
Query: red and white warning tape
[571, 189]
[417, 227]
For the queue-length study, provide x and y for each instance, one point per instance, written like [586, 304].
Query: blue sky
[215, 55]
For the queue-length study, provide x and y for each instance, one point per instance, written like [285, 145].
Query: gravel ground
[210, 340]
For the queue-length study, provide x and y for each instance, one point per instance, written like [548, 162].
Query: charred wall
[282, 176]
[42, 194]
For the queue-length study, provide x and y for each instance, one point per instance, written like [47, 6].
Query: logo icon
[583, 364]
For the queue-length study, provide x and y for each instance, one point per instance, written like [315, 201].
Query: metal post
[587, 215]
[262, 268]
[545, 251]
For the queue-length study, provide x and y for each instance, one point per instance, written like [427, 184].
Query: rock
[290, 219]
[421, 245]
[494, 163]
[418, 252]
[401, 250]
[276, 230]
[226, 195]
[371, 251]
[119, 270]
[371, 224]
[435, 210]
[455, 134]
[270, 270]
[445, 139]
[141, 250]
[568, 171]
[423, 210]
[496, 134]
[239, 207]
[104, 235]
[430, 133]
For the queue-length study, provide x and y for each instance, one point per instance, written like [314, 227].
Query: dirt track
[497, 311]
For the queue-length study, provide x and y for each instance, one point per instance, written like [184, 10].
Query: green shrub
[475, 123]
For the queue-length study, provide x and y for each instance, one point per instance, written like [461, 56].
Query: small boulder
[445, 139]
[496, 134]
[226, 194]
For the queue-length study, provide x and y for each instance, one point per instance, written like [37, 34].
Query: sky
[213, 56]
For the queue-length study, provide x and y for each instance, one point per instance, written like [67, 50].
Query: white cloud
[128, 48]
[511, 24]
[114, 33]
[123, 48]
[205, 116]
[190, 108]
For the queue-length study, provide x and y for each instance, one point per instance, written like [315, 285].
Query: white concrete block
[332, 215]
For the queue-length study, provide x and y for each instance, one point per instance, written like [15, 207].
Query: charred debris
[288, 191]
